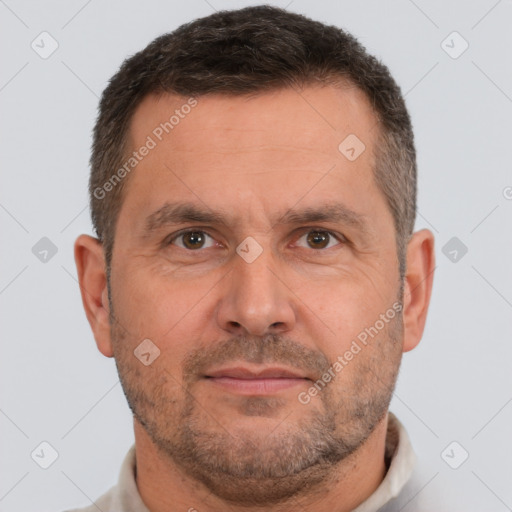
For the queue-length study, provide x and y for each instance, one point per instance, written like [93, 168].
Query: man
[256, 276]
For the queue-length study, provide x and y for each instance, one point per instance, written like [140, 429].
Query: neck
[164, 487]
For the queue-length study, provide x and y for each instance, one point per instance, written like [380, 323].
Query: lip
[263, 381]
[242, 372]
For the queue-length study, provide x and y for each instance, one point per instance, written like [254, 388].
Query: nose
[256, 300]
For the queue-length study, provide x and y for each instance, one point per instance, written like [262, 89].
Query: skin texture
[299, 305]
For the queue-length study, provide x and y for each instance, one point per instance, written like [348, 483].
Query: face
[261, 261]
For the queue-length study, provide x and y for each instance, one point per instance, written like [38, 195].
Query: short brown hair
[251, 50]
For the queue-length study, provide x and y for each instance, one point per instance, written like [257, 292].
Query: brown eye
[318, 239]
[193, 240]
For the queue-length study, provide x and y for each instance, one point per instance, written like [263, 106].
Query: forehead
[315, 115]
[258, 150]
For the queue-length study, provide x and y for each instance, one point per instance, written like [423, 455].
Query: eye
[192, 240]
[320, 239]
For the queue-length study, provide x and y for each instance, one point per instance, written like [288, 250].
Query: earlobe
[418, 286]
[90, 264]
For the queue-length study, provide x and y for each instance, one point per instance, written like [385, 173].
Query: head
[253, 191]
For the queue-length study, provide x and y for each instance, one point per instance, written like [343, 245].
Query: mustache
[271, 348]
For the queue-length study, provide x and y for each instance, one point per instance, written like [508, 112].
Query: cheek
[350, 312]
[152, 304]
[344, 306]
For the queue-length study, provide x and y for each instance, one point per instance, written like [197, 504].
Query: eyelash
[340, 238]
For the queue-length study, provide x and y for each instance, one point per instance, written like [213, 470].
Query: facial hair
[243, 465]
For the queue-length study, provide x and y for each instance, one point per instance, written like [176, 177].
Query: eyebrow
[172, 213]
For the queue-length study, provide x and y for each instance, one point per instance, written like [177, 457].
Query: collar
[402, 460]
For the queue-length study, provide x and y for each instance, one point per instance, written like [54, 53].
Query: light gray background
[56, 386]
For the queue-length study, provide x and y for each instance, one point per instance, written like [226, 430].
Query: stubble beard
[242, 465]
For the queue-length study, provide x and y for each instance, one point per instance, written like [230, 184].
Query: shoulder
[104, 503]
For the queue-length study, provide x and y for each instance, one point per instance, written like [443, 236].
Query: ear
[91, 268]
[419, 278]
